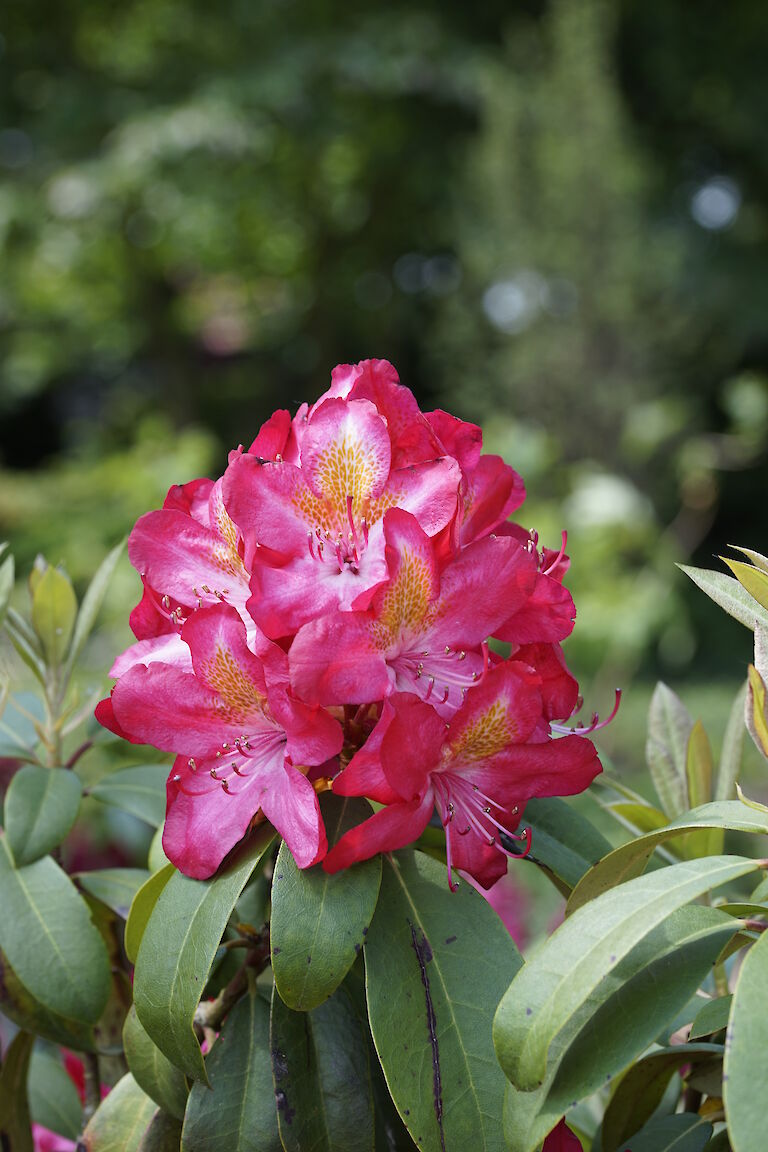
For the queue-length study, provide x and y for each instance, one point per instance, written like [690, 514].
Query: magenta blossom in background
[323, 611]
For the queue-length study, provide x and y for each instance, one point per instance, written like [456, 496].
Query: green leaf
[157, 858]
[121, 1119]
[41, 805]
[757, 559]
[712, 1017]
[115, 887]
[682, 1133]
[21, 1007]
[54, 608]
[319, 921]
[437, 964]
[630, 859]
[153, 1071]
[141, 909]
[755, 581]
[642, 995]
[53, 1097]
[139, 790]
[177, 950]
[564, 842]
[642, 1089]
[669, 730]
[15, 1131]
[91, 603]
[162, 1135]
[728, 594]
[745, 1047]
[237, 1113]
[24, 711]
[50, 941]
[699, 767]
[570, 966]
[7, 573]
[733, 745]
[756, 710]
[321, 1077]
[637, 818]
[26, 644]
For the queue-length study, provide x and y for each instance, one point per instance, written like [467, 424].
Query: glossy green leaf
[15, 1131]
[163, 1134]
[141, 909]
[728, 594]
[630, 859]
[53, 1098]
[152, 1071]
[437, 963]
[567, 970]
[91, 603]
[642, 1089]
[669, 730]
[682, 1133]
[17, 1003]
[733, 746]
[746, 1044]
[121, 1119]
[238, 1112]
[50, 941]
[319, 921]
[321, 1078]
[563, 841]
[54, 608]
[139, 790]
[41, 805]
[640, 996]
[755, 581]
[115, 887]
[177, 950]
[711, 1018]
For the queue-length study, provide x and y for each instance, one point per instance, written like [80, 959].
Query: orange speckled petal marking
[346, 452]
[224, 663]
[403, 606]
[503, 710]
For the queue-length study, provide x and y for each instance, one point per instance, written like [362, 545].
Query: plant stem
[92, 1085]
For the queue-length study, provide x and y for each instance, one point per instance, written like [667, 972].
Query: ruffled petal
[335, 660]
[387, 830]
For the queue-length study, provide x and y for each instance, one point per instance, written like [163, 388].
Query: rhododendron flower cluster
[322, 613]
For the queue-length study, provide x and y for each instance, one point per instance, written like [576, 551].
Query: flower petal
[412, 744]
[224, 664]
[501, 711]
[167, 649]
[290, 803]
[493, 491]
[388, 829]
[364, 775]
[548, 615]
[335, 660]
[346, 452]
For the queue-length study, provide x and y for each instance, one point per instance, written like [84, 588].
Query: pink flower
[313, 533]
[478, 771]
[238, 734]
[47, 1141]
[425, 628]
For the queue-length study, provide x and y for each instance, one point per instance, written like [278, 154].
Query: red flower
[477, 771]
[238, 734]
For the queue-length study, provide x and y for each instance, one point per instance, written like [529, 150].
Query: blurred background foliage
[551, 216]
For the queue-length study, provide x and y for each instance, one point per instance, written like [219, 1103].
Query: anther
[191, 764]
[462, 655]
[166, 601]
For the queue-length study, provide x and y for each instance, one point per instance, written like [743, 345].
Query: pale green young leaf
[755, 581]
[669, 730]
[54, 608]
[733, 745]
[7, 573]
[91, 603]
[728, 594]
[757, 558]
[141, 909]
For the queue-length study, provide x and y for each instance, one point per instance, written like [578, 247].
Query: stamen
[595, 724]
[558, 558]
